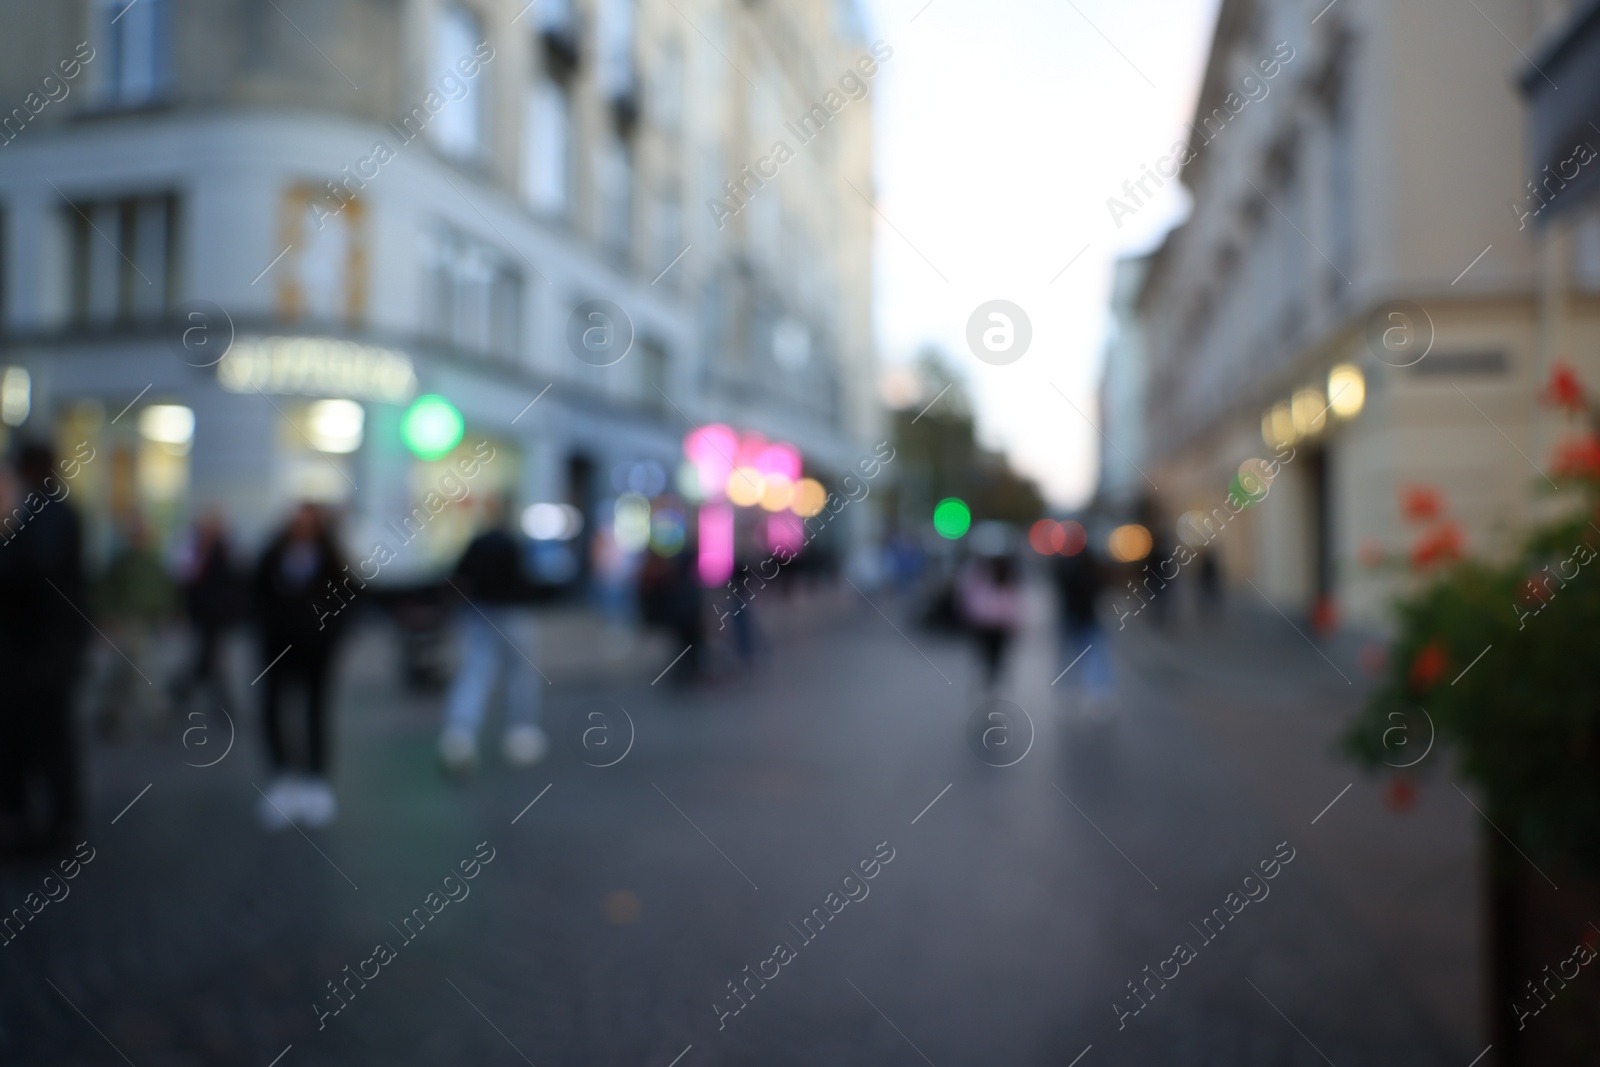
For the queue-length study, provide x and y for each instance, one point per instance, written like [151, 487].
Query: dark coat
[308, 614]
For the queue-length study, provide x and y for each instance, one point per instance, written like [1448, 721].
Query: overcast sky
[1002, 128]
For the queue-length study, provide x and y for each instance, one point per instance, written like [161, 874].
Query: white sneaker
[525, 745]
[317, 804]
[275, 810]
[458, 751]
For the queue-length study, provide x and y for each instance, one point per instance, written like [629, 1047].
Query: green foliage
[1524, 720]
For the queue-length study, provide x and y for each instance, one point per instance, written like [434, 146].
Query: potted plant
[1497, 662]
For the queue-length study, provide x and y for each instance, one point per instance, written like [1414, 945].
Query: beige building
[1355, 281]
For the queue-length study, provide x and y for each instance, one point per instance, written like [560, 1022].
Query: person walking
[214, 600]
[135, 597]
[299, 617]
[496, 640]
[1080, 578]
[42, 636]
[990, 599]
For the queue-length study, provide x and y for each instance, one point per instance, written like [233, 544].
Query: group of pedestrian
[990, 603]
[51, 609]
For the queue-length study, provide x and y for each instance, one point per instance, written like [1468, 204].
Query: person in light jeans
[496, 640]
[1088, 672]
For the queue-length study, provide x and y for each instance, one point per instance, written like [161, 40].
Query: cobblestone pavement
[1017, 908]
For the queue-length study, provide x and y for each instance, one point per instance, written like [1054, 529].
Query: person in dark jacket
[299, 596]
[1080, 579]
[42, 636]
[214, 599]
[496, 639]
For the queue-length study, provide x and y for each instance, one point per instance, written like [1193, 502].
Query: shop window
[123, 258]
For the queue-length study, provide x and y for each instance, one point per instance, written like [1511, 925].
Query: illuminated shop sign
[317, 366]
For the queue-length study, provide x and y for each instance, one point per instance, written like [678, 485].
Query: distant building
[384, 201]
[1121, 486]
[1354, 283]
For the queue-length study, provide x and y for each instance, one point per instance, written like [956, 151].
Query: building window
[132, 67]
[458, 128]
[614, 46]
[666, 230]
[123, 258]
[615, 202]
[547, 147]
[323, 274]
[666, 99]
[472, 294]
[653, 370]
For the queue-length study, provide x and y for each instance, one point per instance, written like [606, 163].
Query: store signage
[317, 366]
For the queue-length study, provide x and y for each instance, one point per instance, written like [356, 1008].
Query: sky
[1002, 127]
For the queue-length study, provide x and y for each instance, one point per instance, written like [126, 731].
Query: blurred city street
[1019, 903]
[799, 532]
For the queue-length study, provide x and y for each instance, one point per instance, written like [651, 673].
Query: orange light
[778, 493]
[745, 486]
[809, 497]
[1130, 543]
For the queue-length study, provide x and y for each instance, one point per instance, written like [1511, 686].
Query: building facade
[1358, 288]
[241, 240]
[1120, 486]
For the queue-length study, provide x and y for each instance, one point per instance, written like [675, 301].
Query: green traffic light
[432, 426]
[952, 518]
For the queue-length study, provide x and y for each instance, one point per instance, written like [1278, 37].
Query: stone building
[375, 201]
[1356, 282]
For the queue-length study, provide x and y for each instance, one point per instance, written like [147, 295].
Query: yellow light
[745, 486]
[1129, 543]
[335, 425]
[1348, 388]
[1309, 409]
[168, 424]
[1277, 426]
[778, 493]
[809, 496]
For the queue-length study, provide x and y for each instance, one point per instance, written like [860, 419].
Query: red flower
[1401, 794]
[1420, 503]
[1578, 457]
[1324, 617]
[1429, 665]
[1564, 390]
[1442, 544]
[1532, 592]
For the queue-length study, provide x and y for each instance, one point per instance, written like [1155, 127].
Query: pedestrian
[1080, 579]
[1210, 579]
[214, 599]
[42, 633]
[299, 618]
[136, 599]
[989, 596]
[670, 599]
[497, 640]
